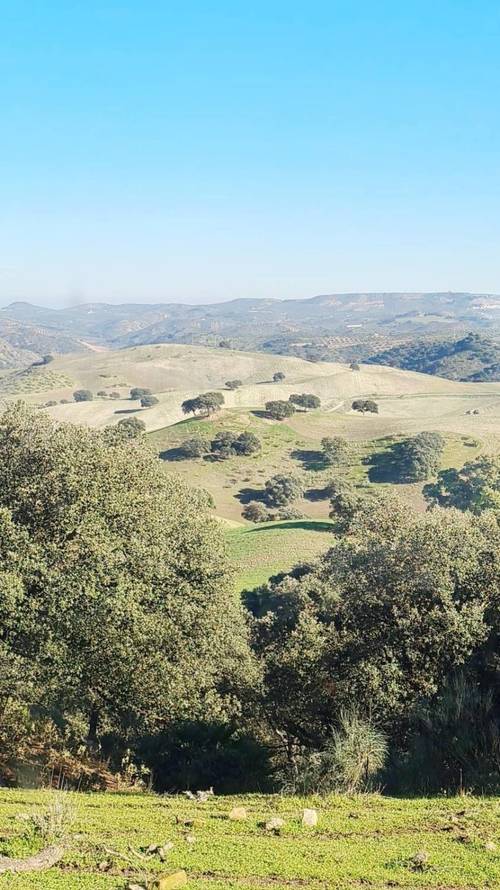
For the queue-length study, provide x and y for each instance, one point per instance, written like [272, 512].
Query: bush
[255, 511]
[365, 406]
[83, 395]
[148, 401]
[282, 489]
[114, 395]
[278, 410]
[247, 444]
[305, 400]
[337, 451]
[195, 447]
[233, 384]
[349, 762]
[278, 376]
[354, 366]
[138, 392]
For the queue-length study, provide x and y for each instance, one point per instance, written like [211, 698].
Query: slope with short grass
[365, 841]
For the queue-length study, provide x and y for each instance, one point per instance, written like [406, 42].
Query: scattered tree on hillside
[138, 392]
[195, 447]
[345, 503]
[365, 406]
[47, 359]
[206, 403]
[418, 458]
[148, 401]
[224, 344]
[337, 451]
[114, 395]
[83, 395]
[305, 400]
[281, 490]
[355, 366]
[474, 487]
[278, 376]
[233, 384]
[279, 409]
[255, 511]
[247, 444]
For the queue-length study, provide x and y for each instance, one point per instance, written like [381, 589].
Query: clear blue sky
[195, 151]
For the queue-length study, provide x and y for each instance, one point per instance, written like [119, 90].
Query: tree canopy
[116, 593]
[279, 409]
[474, 487]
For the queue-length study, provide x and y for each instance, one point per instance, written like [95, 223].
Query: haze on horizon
[200, 153]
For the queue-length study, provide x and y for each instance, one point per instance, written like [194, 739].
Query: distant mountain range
[329, 326]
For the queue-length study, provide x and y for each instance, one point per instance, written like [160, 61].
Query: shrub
[148, 401]
[282, 489]
[233, 384]
[83, 395]
[247, 444]
[195, 447]
[305, 400]
[337, 451]
[255, 511]
[278, 410]
[354, 366]
[278, 376]
[138, 392]
[365, 406]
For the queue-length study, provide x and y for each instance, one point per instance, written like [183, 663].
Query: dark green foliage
[116, 594]
[354, 366]
[473, 358]
[255, 511]
[83, 395]
[131, 427]
[203, 755]
[475, 487]
[206, 403]
[337, 451]
[148, 401]
[233, 384]
[345, 503]
[195, 447]
[280, 490]
[305, 400]
[279, 410]
[365, 406]
[278, 376]
[381, 620]
[138, 392]
[418, 458]
[247, 444]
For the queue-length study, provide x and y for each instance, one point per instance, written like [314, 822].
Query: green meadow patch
[364, 841]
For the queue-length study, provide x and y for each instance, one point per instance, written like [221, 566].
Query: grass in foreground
[367, 841]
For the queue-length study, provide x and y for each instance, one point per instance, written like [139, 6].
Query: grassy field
[365, 841]
[260, 551]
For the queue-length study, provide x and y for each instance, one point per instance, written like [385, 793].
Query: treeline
[123, 647]
[472, 358]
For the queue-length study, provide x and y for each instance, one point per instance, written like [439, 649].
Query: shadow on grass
[314, 525]
[245, 495]
[383, 466]
[128, 410]
[172, 454]
[310, 460]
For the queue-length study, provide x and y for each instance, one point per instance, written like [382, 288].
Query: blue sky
[204, 151]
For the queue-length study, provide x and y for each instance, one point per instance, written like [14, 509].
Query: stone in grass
[310, 818]
[420, 861]
[275, 824]
[238, 814]
[173, 881]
